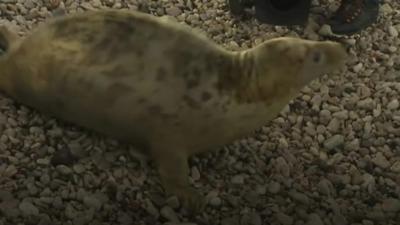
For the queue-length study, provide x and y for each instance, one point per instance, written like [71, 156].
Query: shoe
[237, 6]
[283, 12]
[353, 16]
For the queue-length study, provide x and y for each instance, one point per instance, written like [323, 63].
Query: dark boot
[282, 12]
[237, 6]
[354, 15]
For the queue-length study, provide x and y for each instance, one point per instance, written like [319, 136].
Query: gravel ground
[332, 157]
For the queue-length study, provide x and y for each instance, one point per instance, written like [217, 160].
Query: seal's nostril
[317, 57]
[346, 46]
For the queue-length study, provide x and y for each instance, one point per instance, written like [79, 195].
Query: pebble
[232, 220]
[274, 187]
[195, 173]
[395, 167]
[45, 220]
[251, 219]
[29, 4]
[169, 214]
[43, 161]
[78, 168]
[325, 115]
[339, 219]
[391, 205]
[367, 222]
[282, 166]
[369, 182]
[314, 219]
[334, 142]
[334, 125]
[172, 223]
[299, 197]
[237, 179]
[325, 30]
[10, 171]
[358, 67]
[394, 104]
[393, 31]
[326, 187]
[70, 212]
[343, 115]
[125, 219]
[284, 219]
[5, 195]
[173, 202]
[45, 178]
[151, 209]
[367, 103]
[386, 9]
[215, 201]
[64, 170]
[173, 11]
[96, 3]
[261, 189]
[92, 202]
[28, 209]
[380, 160]
[58, 203]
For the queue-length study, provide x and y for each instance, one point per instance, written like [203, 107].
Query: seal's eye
[317, 57]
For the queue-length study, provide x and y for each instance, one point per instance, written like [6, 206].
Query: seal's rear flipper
[7, 38]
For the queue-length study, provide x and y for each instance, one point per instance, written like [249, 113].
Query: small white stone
[380, 160]
[215, 201]
[358, 67]
[392, 31]
[43, 161]
[395, 167]
[325, 30]
[173, 11]
[394, 104]
[334, 142]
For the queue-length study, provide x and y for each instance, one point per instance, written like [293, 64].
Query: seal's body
[157, 84]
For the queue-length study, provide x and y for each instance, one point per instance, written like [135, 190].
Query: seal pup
[157, 84]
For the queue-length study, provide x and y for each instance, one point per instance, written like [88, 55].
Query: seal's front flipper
[7, 38]
[174, 171]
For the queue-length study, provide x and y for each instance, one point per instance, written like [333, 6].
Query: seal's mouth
[4, 45]
[342, 41]
[336, 54]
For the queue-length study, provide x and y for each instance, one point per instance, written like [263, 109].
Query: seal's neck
[241, 78]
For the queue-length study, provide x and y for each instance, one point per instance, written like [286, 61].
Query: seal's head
[283, 66]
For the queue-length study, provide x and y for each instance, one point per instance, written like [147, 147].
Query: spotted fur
[157, 83]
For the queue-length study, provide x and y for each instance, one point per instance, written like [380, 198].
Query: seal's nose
[342, 42]
[346, 46]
